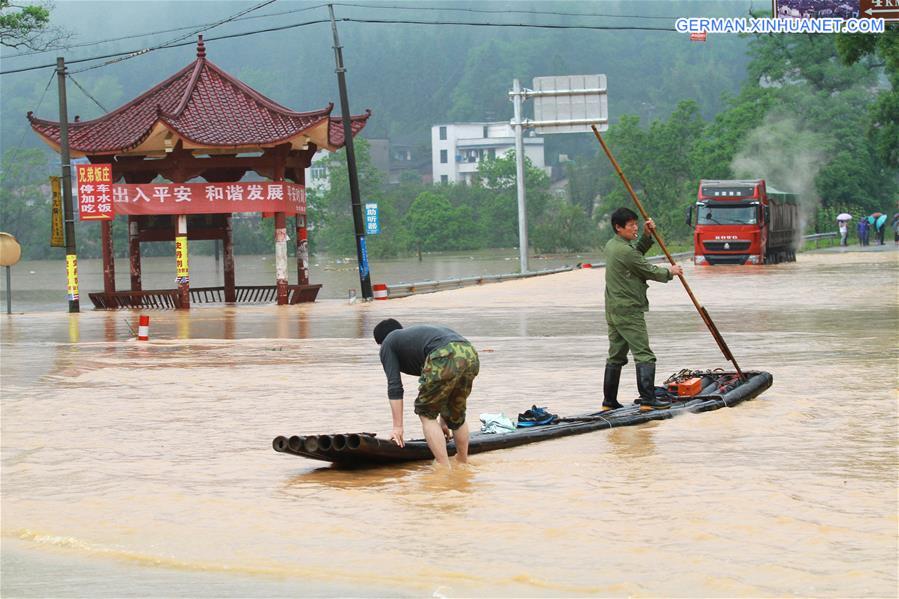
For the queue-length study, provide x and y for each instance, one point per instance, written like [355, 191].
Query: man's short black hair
[384, 328]
[621, 217]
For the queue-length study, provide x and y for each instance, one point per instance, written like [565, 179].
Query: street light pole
[519, 178]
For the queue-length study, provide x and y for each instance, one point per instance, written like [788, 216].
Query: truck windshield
[742, 214]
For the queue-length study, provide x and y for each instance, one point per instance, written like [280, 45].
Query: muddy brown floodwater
[146, 469]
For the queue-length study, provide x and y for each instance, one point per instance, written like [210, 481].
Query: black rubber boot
[646, 381]
[610, 387]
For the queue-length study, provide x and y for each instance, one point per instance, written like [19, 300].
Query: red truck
[744, 222]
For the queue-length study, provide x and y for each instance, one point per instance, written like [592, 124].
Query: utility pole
[68, 211]
[358, 222]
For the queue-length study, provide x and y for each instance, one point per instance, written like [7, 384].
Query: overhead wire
[345, 4]
[133, 53]
[18, 146]
[171, 43]
[501, 11]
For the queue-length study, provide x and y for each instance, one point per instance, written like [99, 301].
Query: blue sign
[372, 226]
[363, 266]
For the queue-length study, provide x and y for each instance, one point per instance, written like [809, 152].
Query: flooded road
[146, 469]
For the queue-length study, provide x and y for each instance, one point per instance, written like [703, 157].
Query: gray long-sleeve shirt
[405, 350]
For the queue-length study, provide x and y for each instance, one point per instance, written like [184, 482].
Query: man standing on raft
[626, 274]
[446, 364]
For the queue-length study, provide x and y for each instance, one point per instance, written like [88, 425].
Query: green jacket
[626, 274]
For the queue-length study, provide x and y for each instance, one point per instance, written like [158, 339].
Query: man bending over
[446, 364]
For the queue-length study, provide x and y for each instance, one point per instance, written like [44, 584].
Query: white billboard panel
[570, 103]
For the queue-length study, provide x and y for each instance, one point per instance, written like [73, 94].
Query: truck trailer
[743, 221]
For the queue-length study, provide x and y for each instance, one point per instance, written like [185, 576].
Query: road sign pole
[8, 292]
[519, 179]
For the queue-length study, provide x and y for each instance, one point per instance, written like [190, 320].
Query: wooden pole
[228, 256]
[703, 313]
[108, 257]
[134, 252]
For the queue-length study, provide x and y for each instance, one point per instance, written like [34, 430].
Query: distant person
[844, 232]
[863, 231]
[879, 228]
[626, 274]
[896, 229]
[446, 364]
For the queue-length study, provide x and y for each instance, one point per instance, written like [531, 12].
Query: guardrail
[406, 289]
[818, 237]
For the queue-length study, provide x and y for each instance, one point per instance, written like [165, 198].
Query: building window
[442, 156]
[491, 153]
[443, 133]
[486, 132]
[444, 179]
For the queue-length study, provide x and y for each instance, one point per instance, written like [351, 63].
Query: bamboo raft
[361, 449]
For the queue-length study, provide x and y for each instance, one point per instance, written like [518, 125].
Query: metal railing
[168, 299]
[398, 290]
[818, 237]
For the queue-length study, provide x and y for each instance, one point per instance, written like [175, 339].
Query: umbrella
[844, 216]
[876, 214]
[871, 219]
[881, 220]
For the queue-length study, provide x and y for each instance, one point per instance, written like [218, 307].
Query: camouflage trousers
[445, 383]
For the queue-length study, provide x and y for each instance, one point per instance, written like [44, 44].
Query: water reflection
[633, 442]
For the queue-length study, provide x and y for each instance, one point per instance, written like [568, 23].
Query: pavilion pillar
[281, 256]
[108, 257]
[134, 252]
[280, 159]
[181, 261]
[228, 260]
[302, 251]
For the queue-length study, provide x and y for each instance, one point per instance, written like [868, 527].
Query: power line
[146, 50]
[503, 11]
[134, 53]
[171, 43]
[345, 4]
[160, 32]
[18, 147]
[529, 25]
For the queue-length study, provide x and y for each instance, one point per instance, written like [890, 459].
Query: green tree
[499, 215]
[431, 222]
[25, 202]
[331, 214]
[883, 124]
[28, 26]
[564, 228]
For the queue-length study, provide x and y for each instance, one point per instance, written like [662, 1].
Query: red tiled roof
[207, 108]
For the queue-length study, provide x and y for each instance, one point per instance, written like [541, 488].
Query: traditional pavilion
[202, 125]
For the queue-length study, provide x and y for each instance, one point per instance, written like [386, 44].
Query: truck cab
[735, 220]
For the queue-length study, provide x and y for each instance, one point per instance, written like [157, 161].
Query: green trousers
[628, 332]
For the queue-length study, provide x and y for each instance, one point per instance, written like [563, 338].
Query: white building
[317, 176]
[458, 148]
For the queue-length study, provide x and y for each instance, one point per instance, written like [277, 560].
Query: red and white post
[143, 328]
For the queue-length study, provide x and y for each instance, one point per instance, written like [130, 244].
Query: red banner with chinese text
[208, 198]
[95, 191]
